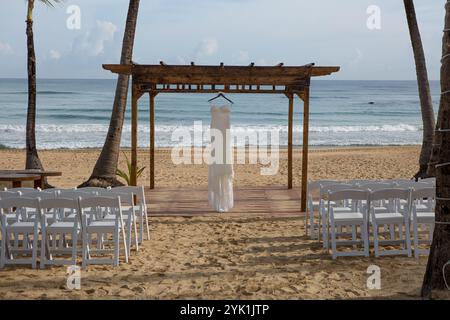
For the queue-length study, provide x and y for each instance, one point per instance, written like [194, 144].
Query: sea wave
[43, 92]
[86, 128]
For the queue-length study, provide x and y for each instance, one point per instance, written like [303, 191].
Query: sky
[236, 32]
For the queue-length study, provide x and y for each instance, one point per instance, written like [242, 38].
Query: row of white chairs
[317, 191]
[60, 222]
[396, 206]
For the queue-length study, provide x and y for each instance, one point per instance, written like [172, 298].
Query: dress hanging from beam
[220, 171]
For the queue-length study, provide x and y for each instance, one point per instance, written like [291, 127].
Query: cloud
[206, 48]
[357, 60]
[94, 41]
[54, 54]
[241, 57]
[5, 49]
[262, 62]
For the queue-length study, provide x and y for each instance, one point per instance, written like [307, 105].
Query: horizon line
[114, 78]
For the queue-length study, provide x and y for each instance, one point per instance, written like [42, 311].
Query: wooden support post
[305, 148]
[134, 123]
[152, 140]
[290, 138]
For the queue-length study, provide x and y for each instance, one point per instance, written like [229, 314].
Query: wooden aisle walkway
[189, 202]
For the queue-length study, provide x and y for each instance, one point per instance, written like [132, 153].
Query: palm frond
[140, 172]
[127, 175]
[123, 175]
[51, 3]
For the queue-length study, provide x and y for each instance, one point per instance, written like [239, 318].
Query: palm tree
[440, 247]
[32, 159]
[104, 173]
[424, 90]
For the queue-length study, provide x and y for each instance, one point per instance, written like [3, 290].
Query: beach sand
[228, 257]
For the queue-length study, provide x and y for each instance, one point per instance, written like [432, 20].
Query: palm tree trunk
[426, 103]
[32, 159]
[440, 248]
[104, 173]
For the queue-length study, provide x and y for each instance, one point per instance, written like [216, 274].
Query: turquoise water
[76, 113]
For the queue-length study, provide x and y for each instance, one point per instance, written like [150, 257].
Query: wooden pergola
[280, 79]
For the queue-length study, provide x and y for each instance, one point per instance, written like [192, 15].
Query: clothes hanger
[221, 95]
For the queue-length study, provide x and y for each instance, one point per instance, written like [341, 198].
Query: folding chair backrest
[75, 194]
[348, 194]
[91, 189]
[139, 192]
[336, 187]
[425, 193]
[431, 181]
[9, 194]
[24, 190]
[360, 181]
[58, 190]
[375, 186]
[392, 193]
[423, 185]
[397, 181]
[126, 198]
[413, 184]
[58, 206]
[60, 203]
[21, 204]
[104, 202]
[315, 185]
[42, 195]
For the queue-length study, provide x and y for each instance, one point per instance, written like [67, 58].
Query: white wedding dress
[220, 173]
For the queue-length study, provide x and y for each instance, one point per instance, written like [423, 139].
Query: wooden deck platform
[188, 202]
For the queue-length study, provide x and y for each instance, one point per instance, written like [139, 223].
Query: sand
[228, 257]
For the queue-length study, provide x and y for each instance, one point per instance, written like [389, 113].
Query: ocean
[76, 113]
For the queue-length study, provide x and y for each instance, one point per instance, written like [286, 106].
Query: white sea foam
[87, 128]
[92, 135]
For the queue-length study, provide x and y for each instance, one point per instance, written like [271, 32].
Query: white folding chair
[128, 215]
[42, 195]
[16, 236]
[140, 207]
[357, 218]
[10, 217]
[92, 227]
[397, 216]
[422, 218]
[340, 206]
[55, 234]
[70, 215]
[380, 206]
[411, 185]
[314, 205]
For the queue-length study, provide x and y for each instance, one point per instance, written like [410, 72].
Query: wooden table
[18, 176]
[17, 179]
